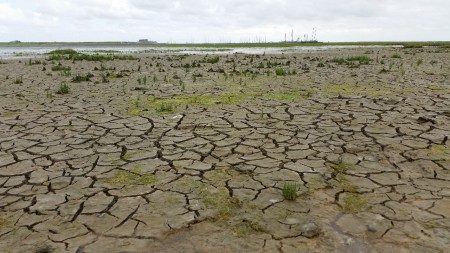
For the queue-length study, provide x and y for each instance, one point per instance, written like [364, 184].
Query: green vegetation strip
[70, 54]
[137, 105]
[134, 177]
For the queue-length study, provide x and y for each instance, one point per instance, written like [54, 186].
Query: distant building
[146, 41]
[15, 41]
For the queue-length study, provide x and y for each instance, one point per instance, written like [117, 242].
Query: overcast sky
[223, 21]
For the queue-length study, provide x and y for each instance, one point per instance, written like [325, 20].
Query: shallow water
[25, 52]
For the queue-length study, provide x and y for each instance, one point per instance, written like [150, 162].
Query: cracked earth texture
[194, 159]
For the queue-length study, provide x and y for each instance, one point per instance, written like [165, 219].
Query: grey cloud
[231, 20]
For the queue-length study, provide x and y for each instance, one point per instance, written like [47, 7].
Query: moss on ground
[221, 201]
[353, 203]
[134, 177]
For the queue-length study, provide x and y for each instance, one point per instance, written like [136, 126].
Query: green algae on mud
[353, 203]
[134, 177]
[141, 106]
[8, 114]
[138, 106]
[221, 201]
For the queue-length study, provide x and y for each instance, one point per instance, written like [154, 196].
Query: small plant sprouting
[105, 79]
[144, 80]
[419, 62]
[155, 78]
[289, 191]
[165, 108]
[183, 85]
[18, 80]
[65, 73]
[49, 94]
[280, 72]
[213, 60]
[60, 68]
[63, 88]
[80, 78]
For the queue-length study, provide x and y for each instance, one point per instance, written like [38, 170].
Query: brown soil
[194, 158]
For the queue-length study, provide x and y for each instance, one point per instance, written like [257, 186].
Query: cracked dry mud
[197, 164]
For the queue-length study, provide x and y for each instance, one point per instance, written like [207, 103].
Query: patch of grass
[63, 51]
[344, 184]
[419, 62]
[142, 80]
[35, 62]
[65, 73]
[341, 167]
[282, 96]
[79, 78]
[396, 56]
[89, 57]
[246, 228]
[362, 59]
[18, 80]
[338, 171]
[220, 175]
[280, 72]
[289, 191]
[134, 177]
[60, 68]
[439, 88]
[214, 59]
[129, 155]
[169, 105]
[63, 88]
[104, 78]
[339, 60]
[165, 108]
[221, 201]
[353, 203]
[8, 114]
[439, 151]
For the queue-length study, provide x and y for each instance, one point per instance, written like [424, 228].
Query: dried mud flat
[193, 157]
